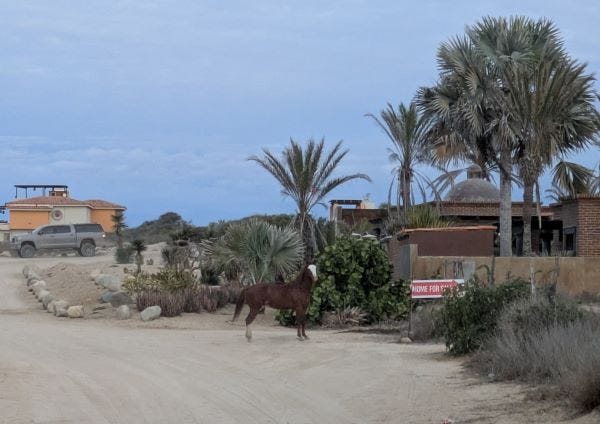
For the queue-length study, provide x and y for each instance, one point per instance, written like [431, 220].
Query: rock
[33, 279]
[47, 299]
[105, 297]
[406, 340]
[120, 298]
[109, 282]
[123, 312]
[75, 311]
[95, 273]
[60, 308]
[37, 285]
[150, 313]
[50, 308]
[150, 262]
[27, 269]
[41, 293]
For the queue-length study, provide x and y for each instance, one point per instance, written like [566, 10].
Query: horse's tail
[239, 304]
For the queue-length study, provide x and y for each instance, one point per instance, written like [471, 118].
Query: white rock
[60, 308]
[123, 312]
[406, 340]
[47, 299]
[95, 273]
[150, 313]
[75, 311]
[51, 308]
[109, 282]
[41, 293]
[38, 285]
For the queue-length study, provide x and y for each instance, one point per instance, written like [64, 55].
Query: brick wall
[588, 227]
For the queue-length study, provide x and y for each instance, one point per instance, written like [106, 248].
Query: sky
[157, 105]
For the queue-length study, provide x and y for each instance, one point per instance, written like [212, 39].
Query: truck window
[88, 228]
[62, 229]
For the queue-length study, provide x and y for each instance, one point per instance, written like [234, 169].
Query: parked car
[84, 238]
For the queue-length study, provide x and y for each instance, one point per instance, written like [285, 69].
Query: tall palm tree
[256, 248]
[118, 220]
[552, 114]
[407, 130]
[463, 120]
[306, 175]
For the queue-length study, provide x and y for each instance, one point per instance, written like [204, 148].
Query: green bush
[355, 273]
[470, 314]
[124, 255]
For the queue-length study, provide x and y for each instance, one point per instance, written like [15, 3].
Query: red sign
[432, 289]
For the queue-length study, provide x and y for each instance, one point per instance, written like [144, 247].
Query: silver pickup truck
[82, 237]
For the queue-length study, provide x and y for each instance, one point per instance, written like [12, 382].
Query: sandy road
[94, 371]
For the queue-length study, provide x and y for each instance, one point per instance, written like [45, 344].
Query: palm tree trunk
[527, 206]
[405, 193]
[505, 203]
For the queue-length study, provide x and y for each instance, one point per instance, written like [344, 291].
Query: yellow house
[27, 214]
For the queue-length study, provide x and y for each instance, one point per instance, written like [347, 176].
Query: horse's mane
[300, 278]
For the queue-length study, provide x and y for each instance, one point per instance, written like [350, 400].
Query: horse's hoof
[300, 338]
[306, 337]
[249, 339]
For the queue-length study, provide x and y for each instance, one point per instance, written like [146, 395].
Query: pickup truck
[82, 237]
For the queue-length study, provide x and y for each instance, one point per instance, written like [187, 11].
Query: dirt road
[103, 371]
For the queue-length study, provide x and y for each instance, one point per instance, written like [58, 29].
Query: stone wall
[576, 276]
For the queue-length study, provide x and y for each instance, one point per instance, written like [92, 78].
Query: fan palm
[407, 131]
[462, 115]
[257, 249]
[552, 114]
[306, 175]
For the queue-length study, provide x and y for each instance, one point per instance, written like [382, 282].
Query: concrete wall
[576, 276]
[71, 215]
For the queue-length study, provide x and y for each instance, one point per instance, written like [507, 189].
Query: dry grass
[550, 344]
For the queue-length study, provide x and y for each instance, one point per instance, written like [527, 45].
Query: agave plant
[258, 249]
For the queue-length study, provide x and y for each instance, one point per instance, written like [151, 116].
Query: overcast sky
[157, 104]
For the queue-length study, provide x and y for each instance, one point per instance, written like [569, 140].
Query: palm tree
[118, 220]
[570, 179]
[257, 249]
[552, 114]
[463, 121]
[306, 175]
[139, 246]
[407, 131]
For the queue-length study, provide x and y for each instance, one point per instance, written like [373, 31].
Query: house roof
[47, 202]
[103, 204]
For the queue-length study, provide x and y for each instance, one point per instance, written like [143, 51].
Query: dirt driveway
[104, 371]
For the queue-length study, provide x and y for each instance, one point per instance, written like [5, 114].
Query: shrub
[176, 292]
[123, 255]
[425, 321]
[541, 341]
[355, 273]
[470, 313]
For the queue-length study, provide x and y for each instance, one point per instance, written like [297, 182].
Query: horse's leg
[253, 312]
[304, 327]
[300, 318]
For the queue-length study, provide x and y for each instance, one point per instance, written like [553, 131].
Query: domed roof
[474, 189]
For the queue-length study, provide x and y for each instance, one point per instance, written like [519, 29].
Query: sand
[198, 368]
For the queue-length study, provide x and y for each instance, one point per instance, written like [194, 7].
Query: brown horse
[294, 295]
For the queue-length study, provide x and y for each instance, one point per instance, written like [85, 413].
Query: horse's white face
[313, 271]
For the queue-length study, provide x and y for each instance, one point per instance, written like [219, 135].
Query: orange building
[27, 214]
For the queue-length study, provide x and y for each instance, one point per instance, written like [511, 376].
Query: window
[570, 240]
[62, 229]
[88, 228]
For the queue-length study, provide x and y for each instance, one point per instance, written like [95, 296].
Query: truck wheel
[87, 249]
[27, 251]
